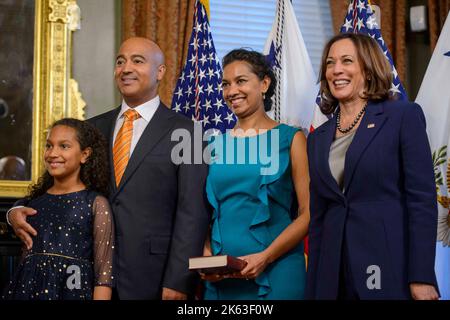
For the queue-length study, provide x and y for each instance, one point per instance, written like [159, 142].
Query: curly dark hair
[95, 172]
[259, 65]
[374, 67]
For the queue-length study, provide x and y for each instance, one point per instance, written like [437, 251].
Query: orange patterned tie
[121, 149]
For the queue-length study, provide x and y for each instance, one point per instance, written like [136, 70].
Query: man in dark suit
[160, 210]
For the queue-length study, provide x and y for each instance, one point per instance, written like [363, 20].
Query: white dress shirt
[146, 111]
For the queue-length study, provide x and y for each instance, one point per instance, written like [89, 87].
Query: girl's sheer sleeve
[103, 242]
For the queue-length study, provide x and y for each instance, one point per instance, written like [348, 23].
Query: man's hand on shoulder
[18, 219]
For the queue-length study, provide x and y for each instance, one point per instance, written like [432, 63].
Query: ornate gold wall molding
[55, 94]
[76, 103]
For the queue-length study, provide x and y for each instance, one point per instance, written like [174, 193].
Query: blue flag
[198, 93]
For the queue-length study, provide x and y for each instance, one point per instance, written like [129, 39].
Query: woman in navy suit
[373, 196]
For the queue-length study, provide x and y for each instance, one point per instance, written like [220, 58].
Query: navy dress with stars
[72, 251]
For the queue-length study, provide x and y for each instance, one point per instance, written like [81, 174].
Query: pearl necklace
[349, 128]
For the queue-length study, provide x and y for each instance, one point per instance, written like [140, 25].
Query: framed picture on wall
[35, 84]
[16, 88]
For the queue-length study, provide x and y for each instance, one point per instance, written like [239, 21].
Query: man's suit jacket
[160, 210]
[387, 214]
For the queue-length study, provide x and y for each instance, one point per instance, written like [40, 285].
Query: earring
[264, 95]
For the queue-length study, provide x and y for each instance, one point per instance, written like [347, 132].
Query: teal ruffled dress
[251, 190]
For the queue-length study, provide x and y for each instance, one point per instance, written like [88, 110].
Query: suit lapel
[157, 128]
[324, 139]
[106, 126]
[370, 124]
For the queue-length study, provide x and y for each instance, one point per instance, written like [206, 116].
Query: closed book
[221, 264]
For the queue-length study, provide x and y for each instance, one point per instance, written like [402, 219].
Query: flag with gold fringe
[434, 97]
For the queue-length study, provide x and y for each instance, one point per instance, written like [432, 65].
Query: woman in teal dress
[257, 171]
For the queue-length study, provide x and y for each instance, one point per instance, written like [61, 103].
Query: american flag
[361, 19]
[198, 93]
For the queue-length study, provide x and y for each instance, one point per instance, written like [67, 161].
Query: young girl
[71, 255]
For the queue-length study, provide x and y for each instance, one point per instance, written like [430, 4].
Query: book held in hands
[221, 264]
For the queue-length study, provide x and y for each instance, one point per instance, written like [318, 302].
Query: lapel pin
[371, 125]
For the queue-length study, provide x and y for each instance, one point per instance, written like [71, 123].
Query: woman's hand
[256, 263]
[257, 260]
[423, 291]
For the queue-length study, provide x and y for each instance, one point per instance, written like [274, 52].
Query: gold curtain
[393, 27]
[437, 13]
[169, 24]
